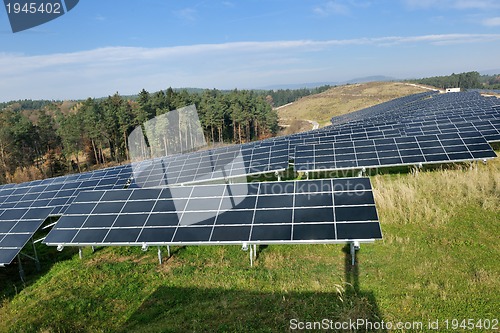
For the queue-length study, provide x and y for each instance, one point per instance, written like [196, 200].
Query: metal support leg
[307, 175]
[278, 175]
[251, 256]
[255, 251]
[362, 172]
[80, 254]
[168, 250]
[354, 247]
[37, 262]
[93, 249]
[21, 270]
[353, 254]
[159, 255]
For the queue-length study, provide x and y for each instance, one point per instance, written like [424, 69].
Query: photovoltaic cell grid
[380, 108]
[489, 129]
[316, 211]
[23, 209]
[440, 148]
[438, 105]
[427, 121]
[222, 163]
[401, 119]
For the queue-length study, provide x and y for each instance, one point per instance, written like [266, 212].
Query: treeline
[468, 80]
[284, 96]
[26, 104]
[55, 139]
[491, 81]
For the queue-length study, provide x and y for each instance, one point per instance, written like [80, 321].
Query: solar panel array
[328, 210]
[24, 207]
[417, 129]
[407, 150]
[222, 163]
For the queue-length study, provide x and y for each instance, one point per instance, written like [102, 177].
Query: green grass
[438, 260]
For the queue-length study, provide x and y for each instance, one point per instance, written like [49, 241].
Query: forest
[467, 80]
[40, 139]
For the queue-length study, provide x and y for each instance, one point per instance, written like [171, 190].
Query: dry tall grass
[433, 197]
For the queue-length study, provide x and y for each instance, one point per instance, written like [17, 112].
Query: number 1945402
[34, 8]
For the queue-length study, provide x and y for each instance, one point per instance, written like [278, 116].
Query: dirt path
[314, 123]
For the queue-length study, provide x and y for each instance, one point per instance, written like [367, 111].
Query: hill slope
[344, 99]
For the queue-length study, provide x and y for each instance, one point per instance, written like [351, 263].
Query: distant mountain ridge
[378, 78]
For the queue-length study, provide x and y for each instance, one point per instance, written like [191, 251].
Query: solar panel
[24, 207]
[315, 211]
[411, 150]
[222, 163]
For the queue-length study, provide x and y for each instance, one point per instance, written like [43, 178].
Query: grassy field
[344, 99]
[439, 260]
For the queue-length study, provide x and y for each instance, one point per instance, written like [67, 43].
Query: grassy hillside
[438, 260]
[344, 99]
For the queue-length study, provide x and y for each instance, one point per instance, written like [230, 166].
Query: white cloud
[187, 14]
[103, 71]
[331, 8]
[455, 4]
[492, 22]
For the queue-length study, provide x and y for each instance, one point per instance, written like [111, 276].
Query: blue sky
[101, 47]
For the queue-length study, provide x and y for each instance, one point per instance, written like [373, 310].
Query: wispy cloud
[492, 22]
[455, 4]
[104, 71]
[187, 14]
[331, 8]
[340, 7]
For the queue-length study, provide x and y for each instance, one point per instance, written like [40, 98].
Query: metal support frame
[278, 175]
[21, 270]
[37, 261]
[253, 251]
[168, 250]
[362, 172]
[34, 258]
[354, 247]
[307, 175]
[80, 254]
[160, 259]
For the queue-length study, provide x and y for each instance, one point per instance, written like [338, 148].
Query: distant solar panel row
[222, 163]
[441, 148]
[319, 211]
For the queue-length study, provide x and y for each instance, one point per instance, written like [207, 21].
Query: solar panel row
[222, 163]
[277, 212]
[440, 148]
[23, 209]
